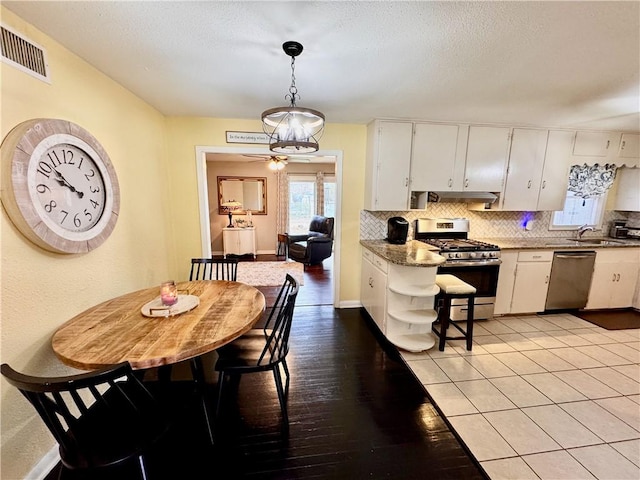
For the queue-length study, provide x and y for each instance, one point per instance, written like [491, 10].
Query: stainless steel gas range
[472, 261]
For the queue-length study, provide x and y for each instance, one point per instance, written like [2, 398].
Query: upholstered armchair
[316, 245]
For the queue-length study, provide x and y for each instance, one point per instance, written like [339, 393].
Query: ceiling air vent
[24, 55]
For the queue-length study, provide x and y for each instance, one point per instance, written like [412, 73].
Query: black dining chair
[205, 268]
[263, 349]
[99, 419]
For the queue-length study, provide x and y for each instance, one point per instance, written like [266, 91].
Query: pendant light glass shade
[293, 129]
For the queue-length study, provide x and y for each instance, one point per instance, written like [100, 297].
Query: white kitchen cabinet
[387, 165]
[373, 288]
[615, 278]
[400, 301]
[628, 191]
[410, 300]
[239, 241]
[629, 151]
[594, 144]
[524, 173]
[506, 279]
[531, 281]
[555, 173]
[538, 170]
[438, 157]
[486, 159]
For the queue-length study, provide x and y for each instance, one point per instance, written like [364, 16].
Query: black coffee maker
[397, 230]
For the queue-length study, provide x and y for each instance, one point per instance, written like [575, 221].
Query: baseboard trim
[45, 465]
[350, 304]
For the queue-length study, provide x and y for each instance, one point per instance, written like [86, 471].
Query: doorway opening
[241, 157]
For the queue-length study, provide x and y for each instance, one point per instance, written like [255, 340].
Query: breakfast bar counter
[411, 254]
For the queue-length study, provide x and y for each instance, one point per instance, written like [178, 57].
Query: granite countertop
[563, 243]
[411, 254]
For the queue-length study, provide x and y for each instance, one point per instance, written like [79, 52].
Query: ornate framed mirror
[250, 192]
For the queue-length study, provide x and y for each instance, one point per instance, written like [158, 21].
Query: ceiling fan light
[276, 164]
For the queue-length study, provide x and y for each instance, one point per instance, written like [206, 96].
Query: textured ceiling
[565, 64]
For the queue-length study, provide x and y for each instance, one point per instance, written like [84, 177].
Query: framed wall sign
[247, 137]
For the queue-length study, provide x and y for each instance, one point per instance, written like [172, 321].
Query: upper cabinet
[606, 147]
[555, 173]
[524, 173]
[387, 167]
[438, 157]
[629, 151]
[486, 160]
[537, 173]
[528, 166]
[628, 193]
[594, 144]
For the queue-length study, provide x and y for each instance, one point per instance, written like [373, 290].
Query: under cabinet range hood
[462, 197]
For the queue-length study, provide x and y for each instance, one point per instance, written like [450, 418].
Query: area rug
[269, 274]
[611, 319]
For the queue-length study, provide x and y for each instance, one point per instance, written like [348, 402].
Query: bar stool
[452, 287]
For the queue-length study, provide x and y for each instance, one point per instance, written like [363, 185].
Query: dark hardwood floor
[355, 412]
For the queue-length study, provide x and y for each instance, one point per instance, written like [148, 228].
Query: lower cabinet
[400, 300]
[523, 281]
[239, 241]
[373, 288]
[615, 278]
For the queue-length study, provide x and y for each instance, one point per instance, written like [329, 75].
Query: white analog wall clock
[58, 185]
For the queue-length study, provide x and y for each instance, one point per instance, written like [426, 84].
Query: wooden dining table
[116, 330]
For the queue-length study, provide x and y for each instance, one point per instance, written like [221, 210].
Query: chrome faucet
[583, 229]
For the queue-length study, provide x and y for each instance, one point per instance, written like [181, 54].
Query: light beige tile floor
[550, 397]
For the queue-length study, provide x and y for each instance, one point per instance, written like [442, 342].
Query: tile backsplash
[490, 224]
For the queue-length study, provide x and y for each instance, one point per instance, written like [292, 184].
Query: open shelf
[416, 317]
[416, 342]
[415, 290]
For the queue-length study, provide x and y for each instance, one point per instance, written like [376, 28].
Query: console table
[239, 241]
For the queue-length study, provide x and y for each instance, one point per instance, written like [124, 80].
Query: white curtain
[282, 212]
[319, 193]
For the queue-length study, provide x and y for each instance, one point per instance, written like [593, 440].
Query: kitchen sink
[583, 242]
[594, 241]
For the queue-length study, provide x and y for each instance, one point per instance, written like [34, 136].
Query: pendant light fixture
[293, 129]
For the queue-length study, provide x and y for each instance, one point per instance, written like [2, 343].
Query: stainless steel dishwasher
[570, 280]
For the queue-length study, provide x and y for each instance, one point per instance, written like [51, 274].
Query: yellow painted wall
[41, 290]
[184, 134]
[158, 229]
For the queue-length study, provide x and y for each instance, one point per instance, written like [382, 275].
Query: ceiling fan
[276, 162]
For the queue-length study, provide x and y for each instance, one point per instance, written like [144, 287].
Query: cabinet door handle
[529, 184]
[466, 182]
[406, 182]
[614, 277]
[623, 144]
[546, 279]
[618, 278]
[608, 142]
[544, 184]
[451, 182]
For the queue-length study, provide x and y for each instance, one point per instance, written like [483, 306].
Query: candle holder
[168, 293]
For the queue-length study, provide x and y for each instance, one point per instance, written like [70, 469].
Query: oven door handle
[472, 263]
